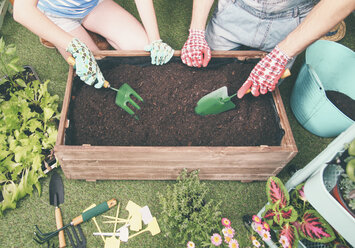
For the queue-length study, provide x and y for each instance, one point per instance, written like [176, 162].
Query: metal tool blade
[56, 190]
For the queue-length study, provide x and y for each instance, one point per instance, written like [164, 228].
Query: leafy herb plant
[28, 131]
[187, 213]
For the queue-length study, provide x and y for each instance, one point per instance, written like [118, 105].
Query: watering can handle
[93, 212]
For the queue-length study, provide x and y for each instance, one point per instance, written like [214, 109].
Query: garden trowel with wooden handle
[123, 96]
[56, 197]
[218, 101]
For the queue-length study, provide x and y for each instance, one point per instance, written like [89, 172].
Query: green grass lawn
[238, 199]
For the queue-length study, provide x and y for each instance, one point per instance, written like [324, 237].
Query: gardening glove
[160, 52]
[85, 64]
[196, 51]
[266, 73]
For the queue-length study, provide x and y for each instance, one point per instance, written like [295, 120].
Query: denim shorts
[65, 23]
[259, 24]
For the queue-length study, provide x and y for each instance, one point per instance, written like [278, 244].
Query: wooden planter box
[244, 163]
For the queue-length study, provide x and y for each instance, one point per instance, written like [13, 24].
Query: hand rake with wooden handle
[41, 237]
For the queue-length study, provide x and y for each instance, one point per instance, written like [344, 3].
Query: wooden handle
[106, 84]
[93, 212]
[286, 73]
[71, 61]
[59, 222]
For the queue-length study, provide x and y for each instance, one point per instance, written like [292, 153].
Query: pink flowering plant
[291, 216]
[259, 232]
[226, 237]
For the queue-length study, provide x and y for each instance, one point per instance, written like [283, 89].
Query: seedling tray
[164, 162]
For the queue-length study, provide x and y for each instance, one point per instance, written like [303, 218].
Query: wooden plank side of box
[165, 163]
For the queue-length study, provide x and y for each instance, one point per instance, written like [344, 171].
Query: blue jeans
[259, 24]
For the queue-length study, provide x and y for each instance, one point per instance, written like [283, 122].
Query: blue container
[328, 66]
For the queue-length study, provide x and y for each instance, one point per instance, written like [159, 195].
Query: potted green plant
[344, 190]
[187, 216]
[28, 128]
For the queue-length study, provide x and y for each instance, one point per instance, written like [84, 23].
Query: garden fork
[80, 242]
[123, 97]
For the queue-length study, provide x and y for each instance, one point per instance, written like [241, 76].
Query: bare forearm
[323, 17]
[27, 14]
[149, 20]
[200, 11]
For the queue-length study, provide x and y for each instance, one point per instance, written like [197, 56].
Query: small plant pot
[337, 194]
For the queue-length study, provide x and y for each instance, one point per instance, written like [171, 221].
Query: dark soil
[343, 102]
[167, 116]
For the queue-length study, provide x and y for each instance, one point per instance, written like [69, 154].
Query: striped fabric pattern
[67, 8]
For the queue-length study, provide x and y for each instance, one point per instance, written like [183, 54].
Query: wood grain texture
[244, 163]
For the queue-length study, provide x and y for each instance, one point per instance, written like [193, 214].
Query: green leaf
[3, 80]
[20, 82]
[269, 214]
[9, 164]
[10, 50]
[3, 154]
[25, 185]
[314, 228]
[2, 178]
[9, 193]
[48, 113]
[39, 188]
[15, 68]
[20, 153]
[34, 124]
[36, 162]
[276, 192]
[50, 141]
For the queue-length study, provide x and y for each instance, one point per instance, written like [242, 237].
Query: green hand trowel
[218, 101]
[215, 102]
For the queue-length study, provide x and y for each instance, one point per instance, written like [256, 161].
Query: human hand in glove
[85, 64]
[160, 52]
[196, 51]
[266, 73]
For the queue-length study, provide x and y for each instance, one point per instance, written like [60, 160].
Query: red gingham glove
[266, 73]
[196, 51]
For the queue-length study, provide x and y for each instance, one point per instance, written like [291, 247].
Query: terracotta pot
[336, 192]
